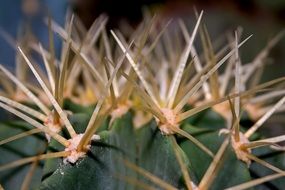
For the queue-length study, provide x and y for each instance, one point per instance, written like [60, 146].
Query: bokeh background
[262, 18]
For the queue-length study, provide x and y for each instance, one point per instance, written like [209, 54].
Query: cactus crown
[140, 110]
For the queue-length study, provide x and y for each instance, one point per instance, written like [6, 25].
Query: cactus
[140, 110]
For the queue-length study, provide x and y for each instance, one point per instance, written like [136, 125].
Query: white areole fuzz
[72, 148]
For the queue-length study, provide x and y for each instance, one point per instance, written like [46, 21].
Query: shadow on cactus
[139, 110]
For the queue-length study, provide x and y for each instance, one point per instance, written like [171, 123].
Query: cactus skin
[104, 166]
[148, 148]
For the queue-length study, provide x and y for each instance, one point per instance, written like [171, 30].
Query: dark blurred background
[262, 18]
